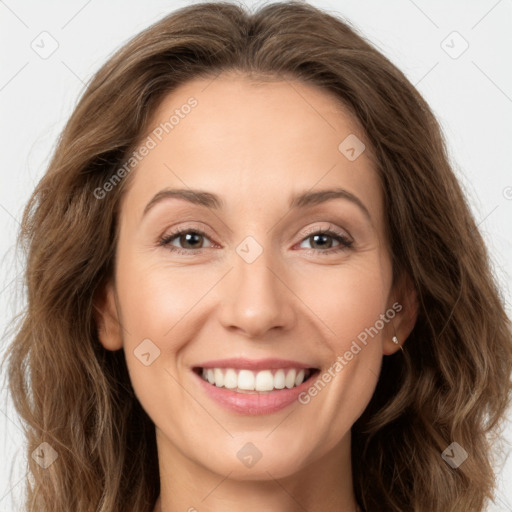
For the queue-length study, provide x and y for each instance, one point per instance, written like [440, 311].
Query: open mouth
[249, 381]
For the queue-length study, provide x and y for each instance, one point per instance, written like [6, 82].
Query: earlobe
[107, 318]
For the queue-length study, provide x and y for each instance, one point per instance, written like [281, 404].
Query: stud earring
[395, 341]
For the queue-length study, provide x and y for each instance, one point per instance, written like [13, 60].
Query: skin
[255, 146]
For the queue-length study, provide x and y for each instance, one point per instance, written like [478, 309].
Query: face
[256, 281]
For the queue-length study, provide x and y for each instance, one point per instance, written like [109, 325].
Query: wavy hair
[452, 382]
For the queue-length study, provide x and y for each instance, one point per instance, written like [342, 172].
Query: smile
[254, 387]
[249, 381]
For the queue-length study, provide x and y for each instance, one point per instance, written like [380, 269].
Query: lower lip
[254, 403]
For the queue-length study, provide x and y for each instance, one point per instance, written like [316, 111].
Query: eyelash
[344, 242]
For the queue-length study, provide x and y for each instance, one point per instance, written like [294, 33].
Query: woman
[244, 213]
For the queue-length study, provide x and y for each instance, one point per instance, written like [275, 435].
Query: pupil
[316, 237]
[189, 239]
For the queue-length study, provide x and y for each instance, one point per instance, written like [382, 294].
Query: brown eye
[190, 240]
[184, 241]
[322, 241]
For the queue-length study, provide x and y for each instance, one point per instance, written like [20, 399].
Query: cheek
[156, 297]
[154, 301]
[347, 298]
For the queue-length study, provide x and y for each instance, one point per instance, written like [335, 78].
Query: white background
[471, 96]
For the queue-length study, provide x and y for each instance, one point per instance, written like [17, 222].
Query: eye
[190, 239]
[323, 238]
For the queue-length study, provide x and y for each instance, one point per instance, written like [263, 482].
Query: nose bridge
[256, 299]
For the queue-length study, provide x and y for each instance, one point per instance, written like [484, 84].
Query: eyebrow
[302, 200]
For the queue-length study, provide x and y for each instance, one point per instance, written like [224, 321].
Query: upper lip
[253, 364]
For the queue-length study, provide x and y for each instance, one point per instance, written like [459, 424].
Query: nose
[256, 297]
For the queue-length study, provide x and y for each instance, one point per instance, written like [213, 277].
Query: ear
[107, 318]
[405, 299]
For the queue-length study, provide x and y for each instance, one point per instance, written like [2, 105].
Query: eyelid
[187, 225]
[322, 229]
[174, 232]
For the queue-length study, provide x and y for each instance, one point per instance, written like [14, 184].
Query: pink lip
[254, 404]
[253, 364]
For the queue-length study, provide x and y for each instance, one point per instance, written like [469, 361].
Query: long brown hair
[451, 383]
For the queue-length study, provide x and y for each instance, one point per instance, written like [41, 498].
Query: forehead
[253, 143]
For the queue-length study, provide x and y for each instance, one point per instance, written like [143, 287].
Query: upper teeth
[265, 380]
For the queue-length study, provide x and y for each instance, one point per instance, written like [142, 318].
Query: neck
[324, 484]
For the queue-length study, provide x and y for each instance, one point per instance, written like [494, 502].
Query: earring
[395, 341]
